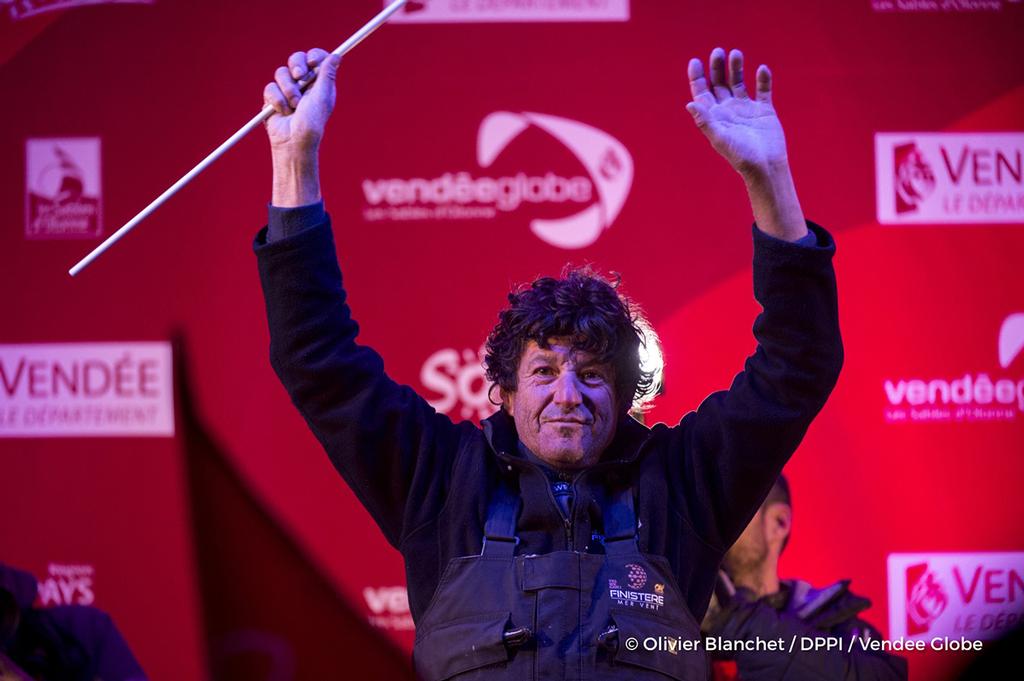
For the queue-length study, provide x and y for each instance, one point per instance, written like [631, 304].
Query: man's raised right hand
[297, 125]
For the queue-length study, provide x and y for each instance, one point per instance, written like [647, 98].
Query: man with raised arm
[563, 539]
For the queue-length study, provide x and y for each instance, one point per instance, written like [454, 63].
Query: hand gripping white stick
[263, 115]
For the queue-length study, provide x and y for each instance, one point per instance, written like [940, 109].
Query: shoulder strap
[620, 523]
[500, 528]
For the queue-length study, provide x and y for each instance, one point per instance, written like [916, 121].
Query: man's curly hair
[585, 307]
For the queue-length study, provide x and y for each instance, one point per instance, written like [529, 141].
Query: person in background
[62, 643]
[750, 602]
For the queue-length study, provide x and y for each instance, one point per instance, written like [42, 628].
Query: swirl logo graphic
[636, 576]
[1011, 339]
[606, 160]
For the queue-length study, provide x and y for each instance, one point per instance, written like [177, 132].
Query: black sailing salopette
[263, 115]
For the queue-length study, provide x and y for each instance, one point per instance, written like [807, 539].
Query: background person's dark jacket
[62, 643]
[426, 481]
[797, 609]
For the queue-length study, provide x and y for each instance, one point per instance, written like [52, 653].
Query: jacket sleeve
[107, 654]
[738, 440]
[757, 620]
[390, 446]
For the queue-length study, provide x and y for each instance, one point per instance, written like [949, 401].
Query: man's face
[564, 405]
[750, 551]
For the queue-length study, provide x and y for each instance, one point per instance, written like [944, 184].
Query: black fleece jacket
[426, 480]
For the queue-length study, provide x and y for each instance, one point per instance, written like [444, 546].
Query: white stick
[263, 115]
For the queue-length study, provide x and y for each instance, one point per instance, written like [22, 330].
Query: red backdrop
[160, 84]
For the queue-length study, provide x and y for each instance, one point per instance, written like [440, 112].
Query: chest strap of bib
[500, 538]
[620, 524]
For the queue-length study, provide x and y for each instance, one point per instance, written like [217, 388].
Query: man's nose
[567, 390]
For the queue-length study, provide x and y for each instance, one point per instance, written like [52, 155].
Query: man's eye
[544, 371]
[593, 376]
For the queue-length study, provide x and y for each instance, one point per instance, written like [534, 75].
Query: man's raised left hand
[744, 130]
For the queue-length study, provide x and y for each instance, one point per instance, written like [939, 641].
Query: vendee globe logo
[964, 395]
[462, 195]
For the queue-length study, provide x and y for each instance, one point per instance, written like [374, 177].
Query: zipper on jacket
[572, 515]
[566, 522]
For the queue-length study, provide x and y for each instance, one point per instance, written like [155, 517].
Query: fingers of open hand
[725, 78]
[739, 90]
[698, 83]
[716, 64]
[764, 84]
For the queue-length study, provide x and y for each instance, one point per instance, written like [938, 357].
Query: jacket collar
[803, 600]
